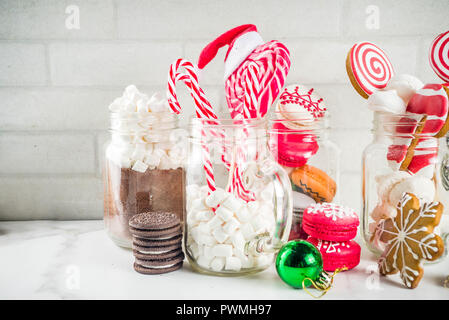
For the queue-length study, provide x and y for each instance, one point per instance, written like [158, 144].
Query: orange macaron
[314, 182]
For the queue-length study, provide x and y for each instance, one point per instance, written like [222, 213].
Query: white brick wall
[56, 83]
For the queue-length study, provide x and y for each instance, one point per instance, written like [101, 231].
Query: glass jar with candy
[143, 164]
[238, 198]
[299, 141]
[402, 159]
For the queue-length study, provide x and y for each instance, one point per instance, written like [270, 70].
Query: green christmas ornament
[300, 265]
[298, 261]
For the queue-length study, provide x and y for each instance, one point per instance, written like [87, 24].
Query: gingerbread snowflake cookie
[409, 239]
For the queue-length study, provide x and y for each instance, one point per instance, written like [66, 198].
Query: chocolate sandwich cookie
[159, 265]
[160, 225]
[152, 242]
[154, 221]
[155, 249]
[148, 255]
[162, 234]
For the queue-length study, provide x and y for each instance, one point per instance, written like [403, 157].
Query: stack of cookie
[157, 242]
[331, 228]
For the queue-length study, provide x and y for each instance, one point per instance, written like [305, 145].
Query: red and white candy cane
[203, 107]
[439, 56]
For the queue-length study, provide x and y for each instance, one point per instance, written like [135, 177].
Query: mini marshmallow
[139, 152]
[217, 264]
[233, 264]
[224, 213]
[247, 261]
[231, 226]
[139, 166]
[192, 190]
[232, 203]
[215, 222]
[198, 205]
[207, 251]
[165, 163]
[222, 250]
[204, 215]
[196, 250]
[243, 214]
[216, 197]
[253, 206]
[220, 235]
[204, 228]
[238, 240]
[247, 231]
[152, 160]
[204, 261]
[206, 239]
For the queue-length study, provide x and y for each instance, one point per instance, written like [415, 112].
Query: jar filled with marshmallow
[238, 198]
[143, 167]
[300, 143]
[402, 159]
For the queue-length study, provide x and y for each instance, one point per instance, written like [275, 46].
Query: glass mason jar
[389, 171]
[143, 169]
[312, 160]
[237, 228]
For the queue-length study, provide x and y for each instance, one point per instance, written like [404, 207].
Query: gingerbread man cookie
[409, 239]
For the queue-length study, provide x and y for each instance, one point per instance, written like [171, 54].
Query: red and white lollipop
[368, 68]
[439, 56]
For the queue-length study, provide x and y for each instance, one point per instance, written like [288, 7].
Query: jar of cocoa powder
[143, 167]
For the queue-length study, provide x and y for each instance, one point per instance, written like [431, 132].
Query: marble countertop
[77, 260]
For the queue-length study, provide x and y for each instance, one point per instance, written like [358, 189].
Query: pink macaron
[292, 148]
[337, 255]
[329, 221]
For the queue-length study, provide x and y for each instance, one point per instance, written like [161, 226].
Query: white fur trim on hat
[241, 49]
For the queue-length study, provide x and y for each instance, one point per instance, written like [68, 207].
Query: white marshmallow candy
[216, 197]
[244, 214]
[224, 213]
[204, 261]
[238, 240]
[232, 203]
[230, 226]
[198, 205]
[204, 215]
[233, 264]
[247, 231]
[195, 250]
[222, 250]
[405, 85]
[140, 166]
[263, 260]
[217, 263]
[207, 251]
[206, 239]
[215, 222]
[139, 152]
[220, 235]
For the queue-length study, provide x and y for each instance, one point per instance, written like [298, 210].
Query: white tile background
[56, 83]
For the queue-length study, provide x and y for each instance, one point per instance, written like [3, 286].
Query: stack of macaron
[413, 114]
[332, 228]
[294, 141]
[157, 242]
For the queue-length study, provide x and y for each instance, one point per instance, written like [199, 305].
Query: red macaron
[292, 148]
[331, 222]
[337, 255]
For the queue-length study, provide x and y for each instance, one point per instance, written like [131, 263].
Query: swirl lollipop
[368, 67]
[439, 56]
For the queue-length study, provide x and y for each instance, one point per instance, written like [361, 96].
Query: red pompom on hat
[242, 40]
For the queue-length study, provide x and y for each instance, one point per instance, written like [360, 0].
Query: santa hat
[242, 41]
